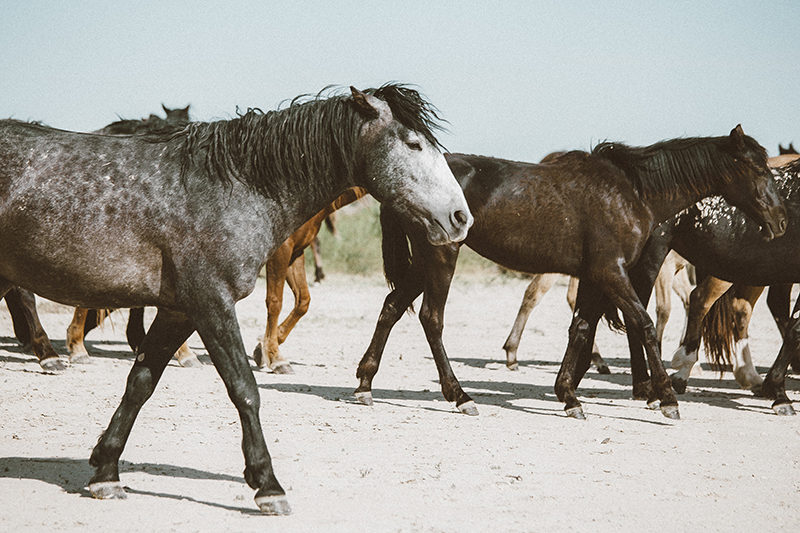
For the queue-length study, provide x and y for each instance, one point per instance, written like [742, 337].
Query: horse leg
[395, 304]
[296, 278]
[702, 298]
[75, 331]
[663, 291]
[22, 306]
[437, 286]
[588, 311]
[267, 352]
[779, 299]
[319, 275]
[539, 286]
[643, 276]
[135, 330]
[743, 369]
[623, 295]
[219, 331]
[596, 359]
[774, 386]
[169, 329]
[186, 357]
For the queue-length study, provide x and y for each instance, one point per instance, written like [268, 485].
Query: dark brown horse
[587, 215]
[184, 222]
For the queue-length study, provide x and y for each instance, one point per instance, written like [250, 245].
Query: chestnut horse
[287, 265]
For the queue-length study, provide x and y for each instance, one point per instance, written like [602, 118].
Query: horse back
[553, 217]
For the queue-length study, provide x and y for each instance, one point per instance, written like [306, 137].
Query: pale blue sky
[515, 79]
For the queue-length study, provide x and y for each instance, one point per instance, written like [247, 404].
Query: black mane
[690, 164]
[313, 140]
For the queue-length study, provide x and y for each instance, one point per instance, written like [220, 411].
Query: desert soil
[411, 462]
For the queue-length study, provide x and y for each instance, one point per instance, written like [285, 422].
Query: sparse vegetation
[357, 250]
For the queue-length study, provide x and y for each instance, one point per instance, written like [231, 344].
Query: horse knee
[431, 321]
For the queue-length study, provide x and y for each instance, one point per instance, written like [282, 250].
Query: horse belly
[82, 266]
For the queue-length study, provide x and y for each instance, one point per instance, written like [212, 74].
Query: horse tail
[395, 248]
[718, 331]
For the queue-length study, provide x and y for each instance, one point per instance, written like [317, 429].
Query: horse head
[405, 169]
[756, 193]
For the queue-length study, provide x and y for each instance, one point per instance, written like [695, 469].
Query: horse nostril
[461, 217]
[782, 225]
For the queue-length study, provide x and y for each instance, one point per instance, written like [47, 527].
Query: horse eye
[414, 146]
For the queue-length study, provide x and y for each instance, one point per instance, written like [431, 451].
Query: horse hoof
[468, 408]
[107, 490]
[671, 412]
[53, 365]
[364, 397]
[576, 412]
[80, 359]
[513, 367]
[603, 369]
[273, 505]
[283, 368]
[653, 404]
[678, 383]
[783, 409]
[190, 362]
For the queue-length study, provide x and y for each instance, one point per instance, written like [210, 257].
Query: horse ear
[737, 136]
[363, 104]
[165, 109]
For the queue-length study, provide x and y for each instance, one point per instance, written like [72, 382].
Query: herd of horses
[184, 215]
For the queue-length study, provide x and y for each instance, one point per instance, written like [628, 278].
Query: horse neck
[678, 183]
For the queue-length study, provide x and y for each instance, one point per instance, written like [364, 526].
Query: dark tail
[395, 247]
[719, 331]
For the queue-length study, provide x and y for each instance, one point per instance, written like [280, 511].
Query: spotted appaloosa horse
[587, 215]
[185, 221]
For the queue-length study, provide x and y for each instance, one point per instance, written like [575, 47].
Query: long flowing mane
[691, 165]
[313, 140]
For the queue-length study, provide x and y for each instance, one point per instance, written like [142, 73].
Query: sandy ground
[411, 462]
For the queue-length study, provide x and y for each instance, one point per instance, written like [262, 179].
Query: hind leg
[702, 298]
[743, 369]
[22, 306]
[588, 310]
[75, 347]
[596, 359]
[539, 286]
[167, 332]
[268, 353]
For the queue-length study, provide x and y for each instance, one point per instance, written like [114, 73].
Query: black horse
[184, 221]
[723, 242]
[583, 214]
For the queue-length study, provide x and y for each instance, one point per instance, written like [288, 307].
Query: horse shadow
[705, 389]
[72, 476]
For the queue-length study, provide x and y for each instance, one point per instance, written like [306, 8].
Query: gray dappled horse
[184, 221]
